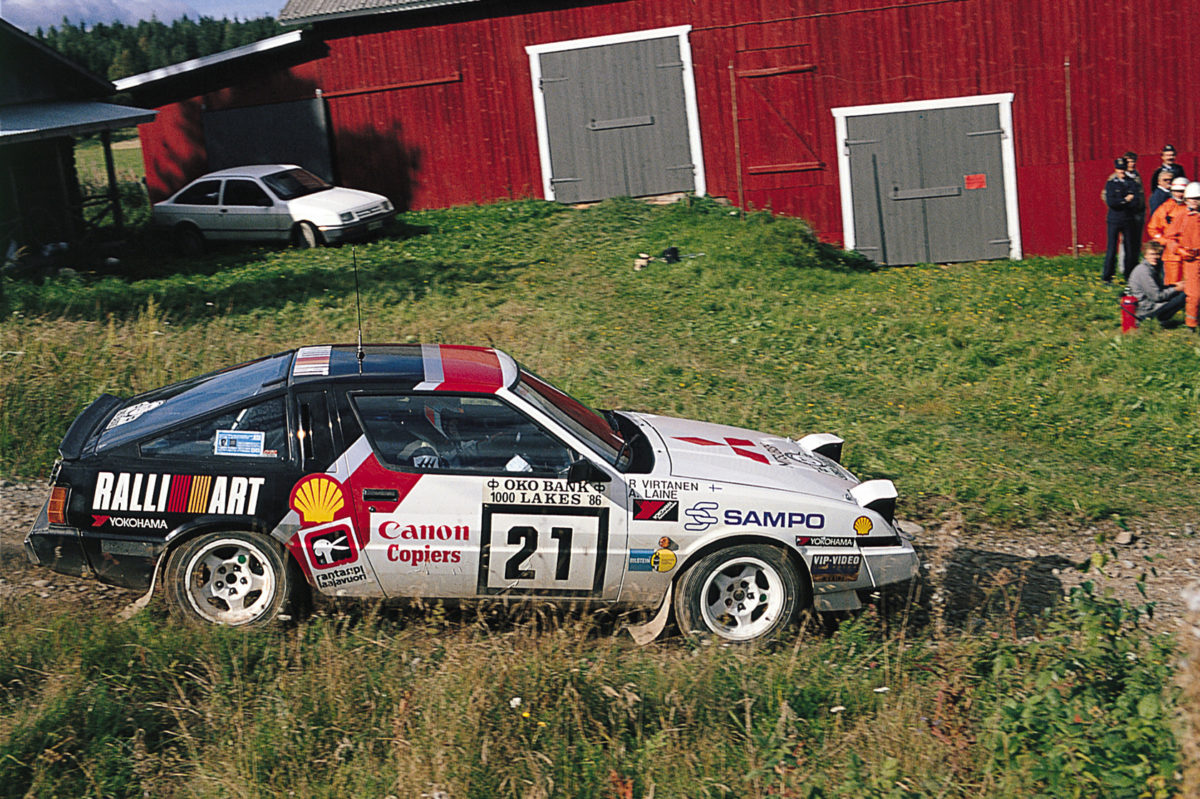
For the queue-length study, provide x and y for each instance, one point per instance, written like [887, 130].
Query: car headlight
[387, 205]
[347, 216]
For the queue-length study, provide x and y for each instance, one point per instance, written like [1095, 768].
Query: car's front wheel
[307, 236]
[230, 577]
[745, 592]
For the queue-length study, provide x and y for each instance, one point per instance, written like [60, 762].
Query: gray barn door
[616, 120]
[927, 186]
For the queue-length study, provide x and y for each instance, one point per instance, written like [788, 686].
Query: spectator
[1169, 164]
[1126, 203]
[1161, 193]
[1185, 233]
[1160, 222]
[1146, 283]
[1131, 171]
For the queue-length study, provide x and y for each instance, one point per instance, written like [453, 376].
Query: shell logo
[862, 525]
[317, 498]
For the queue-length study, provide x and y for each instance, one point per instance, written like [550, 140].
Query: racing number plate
[543, 552]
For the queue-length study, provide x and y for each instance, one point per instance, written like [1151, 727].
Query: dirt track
[968, 571]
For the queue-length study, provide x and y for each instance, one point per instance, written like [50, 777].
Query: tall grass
[380, 703]
[1000, 388]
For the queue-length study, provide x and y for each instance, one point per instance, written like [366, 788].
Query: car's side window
[245, 192]
[206, 192]
[257, 431]
[441, 432]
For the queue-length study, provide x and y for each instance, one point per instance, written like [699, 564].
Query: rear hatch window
[166, 406]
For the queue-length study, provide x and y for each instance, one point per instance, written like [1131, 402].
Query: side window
[314, 430]
[206, 192]
[438, 432]
[245, 192]
[256, 431]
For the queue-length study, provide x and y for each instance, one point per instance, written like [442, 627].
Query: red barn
[911, 130]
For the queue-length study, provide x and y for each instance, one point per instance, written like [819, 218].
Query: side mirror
[582, 470]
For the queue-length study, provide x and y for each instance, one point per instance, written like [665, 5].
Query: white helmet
[1178, 184]
[1192, 192]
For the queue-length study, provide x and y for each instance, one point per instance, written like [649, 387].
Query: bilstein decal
[138, 492]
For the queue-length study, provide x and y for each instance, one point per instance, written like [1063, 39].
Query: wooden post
[737, 144]
[114, 196]
[1071, 161]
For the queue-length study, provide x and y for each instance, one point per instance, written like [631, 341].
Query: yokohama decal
[655, 510]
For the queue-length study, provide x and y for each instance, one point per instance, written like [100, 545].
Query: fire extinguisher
[1129, 320]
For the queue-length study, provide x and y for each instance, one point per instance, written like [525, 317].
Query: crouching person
[1146, 284]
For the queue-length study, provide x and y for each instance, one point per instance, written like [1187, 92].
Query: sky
[28, 15]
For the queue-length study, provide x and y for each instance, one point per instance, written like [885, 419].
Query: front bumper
[356, 231]
[884, 566]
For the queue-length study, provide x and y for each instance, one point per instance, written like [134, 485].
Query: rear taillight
[56, 511]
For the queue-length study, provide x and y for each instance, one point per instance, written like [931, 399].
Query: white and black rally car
[451, 472]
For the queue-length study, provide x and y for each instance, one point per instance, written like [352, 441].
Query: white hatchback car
[269, 202]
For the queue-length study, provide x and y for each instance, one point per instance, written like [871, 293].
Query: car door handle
[380, 495]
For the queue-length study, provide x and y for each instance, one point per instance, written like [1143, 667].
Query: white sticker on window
[247, 443]
[126, 415]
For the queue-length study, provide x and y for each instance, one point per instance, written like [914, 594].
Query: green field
[1001, 390]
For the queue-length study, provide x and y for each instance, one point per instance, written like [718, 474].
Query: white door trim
[689, 94]
[1007, 155]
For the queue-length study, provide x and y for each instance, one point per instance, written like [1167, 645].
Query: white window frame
[689, 94]
[1007, 156]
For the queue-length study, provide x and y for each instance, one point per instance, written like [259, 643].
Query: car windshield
[572, 414]
[165, 406]
[292, 183]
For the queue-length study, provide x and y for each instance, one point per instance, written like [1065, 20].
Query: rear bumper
[126, 561]
[59, 549]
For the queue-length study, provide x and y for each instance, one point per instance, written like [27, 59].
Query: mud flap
[643, 634]
[126, 613]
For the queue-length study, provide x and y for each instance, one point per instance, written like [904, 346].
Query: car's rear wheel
[230, 577]
[189, 240]
[307, 236]
[745, 592]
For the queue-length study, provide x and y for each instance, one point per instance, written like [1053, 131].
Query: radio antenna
[359, 354]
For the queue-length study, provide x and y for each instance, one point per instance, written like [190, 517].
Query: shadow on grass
[231, 280]
[978, 587]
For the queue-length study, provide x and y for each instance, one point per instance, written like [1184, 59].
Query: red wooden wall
[436, 108]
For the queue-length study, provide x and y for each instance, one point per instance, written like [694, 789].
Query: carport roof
[34, 121]
[300, 12]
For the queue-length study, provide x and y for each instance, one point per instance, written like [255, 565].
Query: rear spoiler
[81, 429]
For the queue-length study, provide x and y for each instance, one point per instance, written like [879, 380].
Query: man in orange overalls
[1156, 229]
[1185, 233]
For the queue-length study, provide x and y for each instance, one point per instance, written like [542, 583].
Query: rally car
[452, 472]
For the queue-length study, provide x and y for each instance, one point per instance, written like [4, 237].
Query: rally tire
[232, 578]
[306, 236]
[742, 593]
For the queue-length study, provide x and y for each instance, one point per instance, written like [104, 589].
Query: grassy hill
[1001, 389]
